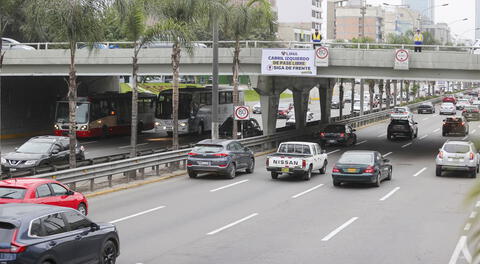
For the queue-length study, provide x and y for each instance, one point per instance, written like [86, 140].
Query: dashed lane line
[390, 194]
[465, 137]
[424, 136]
[137, 214]
[232, 224]
[473, 131]
[381, 135]
[436, 130]
[331, 152]
[339, 229]
[361, 142]
[307, 191]
[228, 186]
[420, 172]
[425, 119]
[386, 154]
[406, 145]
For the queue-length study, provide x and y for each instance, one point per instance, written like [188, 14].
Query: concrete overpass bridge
[350, 62]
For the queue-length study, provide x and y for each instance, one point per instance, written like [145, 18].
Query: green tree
[69, 21]
[240, 22]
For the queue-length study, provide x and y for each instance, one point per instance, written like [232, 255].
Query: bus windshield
[164, 107]
[62, 112]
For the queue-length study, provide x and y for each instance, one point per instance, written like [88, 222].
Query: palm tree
[380, 91]
[239, 23]
[371, 87]
[69, 21]
[388, 92]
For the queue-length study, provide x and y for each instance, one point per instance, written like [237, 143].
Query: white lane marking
[137, 214]
[382, 135]
[473, 215]
[390, 194]
[406, 145]
[340, 228]
[228, 186]
[426, 118]
[138, 145]
[477, 204]
[331, 152]
[386, 154]
[232, 224]
[467, 227]
[473, 131]
[424, 136]
[307, 191]
[419, 172]
[436, 130]
[465, 137]
[461, 248]
[361, 142]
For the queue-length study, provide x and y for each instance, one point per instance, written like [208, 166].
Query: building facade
[424, 7]
[440, 32]
[349, 23]
[477, 19]
[298, 20]
[399, 20]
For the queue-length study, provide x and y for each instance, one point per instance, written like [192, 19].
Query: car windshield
[335, 129]
[453, 120]
[294, 148]
[400, 110]
[35, 147]
[207, 148]
[356, 158]
[456, 148]
[81, 115]
[12, 193]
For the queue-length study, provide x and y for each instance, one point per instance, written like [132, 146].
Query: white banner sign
[401, 57]
[288, 62]
[322, 55]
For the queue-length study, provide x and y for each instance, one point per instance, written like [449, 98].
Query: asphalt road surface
[415, 218]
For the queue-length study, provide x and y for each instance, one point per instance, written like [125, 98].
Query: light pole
[426, 9]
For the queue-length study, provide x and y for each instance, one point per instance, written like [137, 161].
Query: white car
[356, 107]
[9, 43]
[461, 103]
[458, 156]
[447, 108]
[297, 158]
[257, 109]
[291, 118]
[401, 112]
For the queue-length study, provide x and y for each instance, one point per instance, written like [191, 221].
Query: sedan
[338, 134]
[471, 113]
[45, 234]
[220, 156]
[361, 166]
[426, 108]
[447, 108]
[257, 109]
[41, 191]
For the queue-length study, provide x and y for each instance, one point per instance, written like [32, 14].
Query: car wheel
[232, 172]
[192, 174]
[169, 133]
[274, 175]
[377, 181]
[251, 166]
[109, 253]
[473, 174]
[354, 140]
[389, 177]
[444, 134]
[336, 183]
[308, 174]
[389, 137]
[323, 170]
[438, 171]
[82, 209]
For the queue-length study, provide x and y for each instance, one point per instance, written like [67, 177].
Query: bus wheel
[105, 132]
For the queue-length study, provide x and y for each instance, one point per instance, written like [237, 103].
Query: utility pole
[215, 81]
[363, 11]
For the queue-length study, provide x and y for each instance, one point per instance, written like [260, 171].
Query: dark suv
[38, 151]
[33, 233]
[251, 128]
[402, 128]
[338, 134]
[455, 125]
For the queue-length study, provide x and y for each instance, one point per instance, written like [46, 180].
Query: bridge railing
[244, 44]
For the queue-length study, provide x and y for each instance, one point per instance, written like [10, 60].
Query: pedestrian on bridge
[317, 39]
[418, 41]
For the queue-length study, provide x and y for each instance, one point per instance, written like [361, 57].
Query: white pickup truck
[299, 158]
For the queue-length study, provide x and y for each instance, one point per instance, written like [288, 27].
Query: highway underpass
[415, 218]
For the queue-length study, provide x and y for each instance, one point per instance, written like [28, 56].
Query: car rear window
[400, 110]
[12, 193]
[294, 149]
[356, 158]
[207, 148]
[453, 120]
[335, 129]
[6, 232]
[399, 122]
[425, 106]
[454, 148]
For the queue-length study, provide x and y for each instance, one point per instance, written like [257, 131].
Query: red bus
[106, 114]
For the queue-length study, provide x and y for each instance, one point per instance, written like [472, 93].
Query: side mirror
[55, 152]
[416, 123]
[323, 151]
[94, 227]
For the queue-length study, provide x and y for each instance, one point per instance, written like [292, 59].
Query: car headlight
[183, 124]
[3, 160]
[31, 162]
[56, 127]
[157, 124]
[84, 127]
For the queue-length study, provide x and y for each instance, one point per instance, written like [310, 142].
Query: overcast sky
[457, 9]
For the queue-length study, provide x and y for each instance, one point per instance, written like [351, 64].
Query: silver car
[458, 156]
[448, 108]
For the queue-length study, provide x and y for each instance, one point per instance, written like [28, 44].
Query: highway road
[415, 218]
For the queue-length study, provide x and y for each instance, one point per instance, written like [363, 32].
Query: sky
[456, 9]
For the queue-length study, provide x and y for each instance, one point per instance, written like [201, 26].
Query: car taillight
[189, 164]
[464, 111]
[472, 156]
[15, 247]
[463, 123]
[369, 169]
[221, 155]
[304, 163]
[342, 134]
[335, 169]
[322, 134]
[192, 154]
[440, 155]
[222, 165]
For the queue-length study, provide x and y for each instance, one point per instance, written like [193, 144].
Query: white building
[298, 19]
[477, 18]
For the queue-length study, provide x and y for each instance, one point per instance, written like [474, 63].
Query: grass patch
[253, 96]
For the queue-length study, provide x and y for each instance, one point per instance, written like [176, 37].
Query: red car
[449, 99]
[41, 191]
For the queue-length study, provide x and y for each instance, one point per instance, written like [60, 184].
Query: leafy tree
[69, 21]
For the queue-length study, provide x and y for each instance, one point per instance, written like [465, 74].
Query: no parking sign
[241, 113]
[402, 58]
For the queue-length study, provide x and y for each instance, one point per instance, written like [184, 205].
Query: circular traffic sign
[322, 53]
[401, 55]
[241, 112]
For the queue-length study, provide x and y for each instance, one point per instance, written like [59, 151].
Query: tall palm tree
[371, 87]
[388, 92]
[69, 21]
[238, 23]
[380, 91]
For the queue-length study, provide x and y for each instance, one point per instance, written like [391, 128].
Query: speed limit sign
[241, 113]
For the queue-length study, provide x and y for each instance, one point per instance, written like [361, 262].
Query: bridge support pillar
[269, 105]
[300, 103]
[325, 89]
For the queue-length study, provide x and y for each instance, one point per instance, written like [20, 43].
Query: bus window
[164, 107]
[222, 98]
[229, 97]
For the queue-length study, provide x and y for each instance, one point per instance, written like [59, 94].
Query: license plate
[13, 169]
[204, 163]
[332, 141]
[351, 170]
[285, 169]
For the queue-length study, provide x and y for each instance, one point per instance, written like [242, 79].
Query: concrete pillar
[269, 105]
[362, 97]
[300, 103]
[326, 91]
[401, 91]
[395, 92]
[353, 97]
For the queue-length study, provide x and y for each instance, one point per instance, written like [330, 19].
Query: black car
[221, 156]
[34, 233]
[251, 128]
[455, 125]
[38, 151]
[338, 134]
[363, 167]
[471, 113]
[402, 128]
[426, 108]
